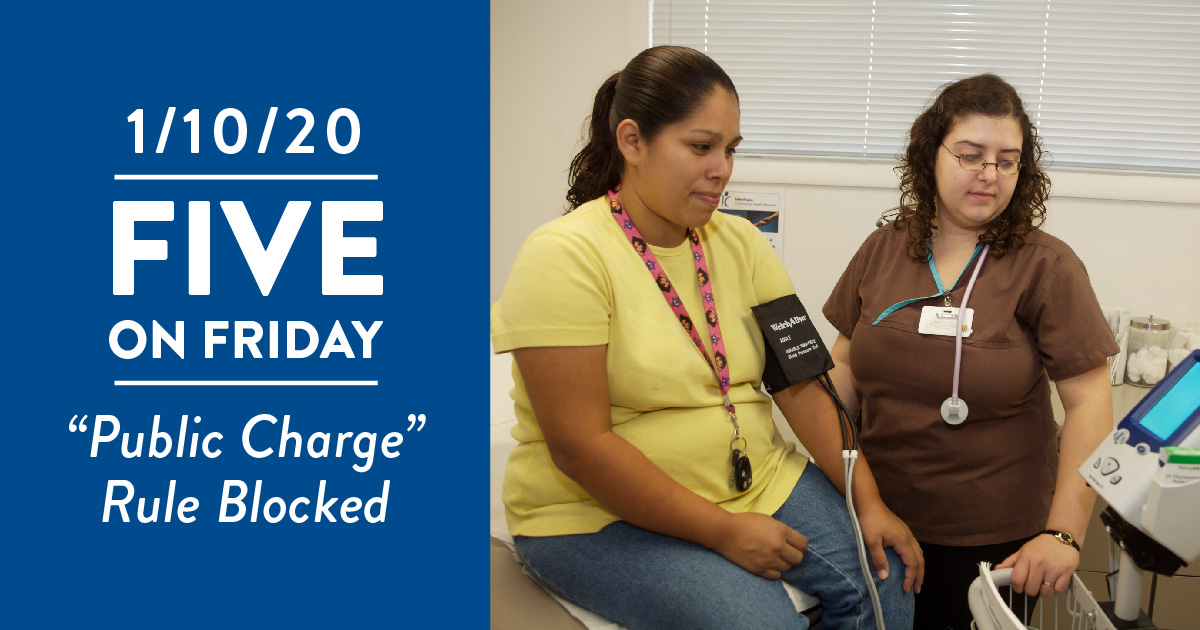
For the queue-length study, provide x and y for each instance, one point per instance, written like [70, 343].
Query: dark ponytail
[660, 86]
[597, 168]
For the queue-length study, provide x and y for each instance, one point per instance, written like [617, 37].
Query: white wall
[1138, 235]
[548, 59]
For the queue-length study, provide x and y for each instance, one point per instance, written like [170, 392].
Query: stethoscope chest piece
[954, 413]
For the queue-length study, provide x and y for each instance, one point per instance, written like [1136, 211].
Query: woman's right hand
[760, 544]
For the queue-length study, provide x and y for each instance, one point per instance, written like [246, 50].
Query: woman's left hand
[1042, 566]
[882, 528]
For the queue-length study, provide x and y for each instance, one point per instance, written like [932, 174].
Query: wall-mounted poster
[762, 205]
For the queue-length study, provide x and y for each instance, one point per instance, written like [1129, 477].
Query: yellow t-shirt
[578, 282]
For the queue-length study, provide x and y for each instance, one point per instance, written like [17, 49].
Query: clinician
[956, 414]
[649, 484]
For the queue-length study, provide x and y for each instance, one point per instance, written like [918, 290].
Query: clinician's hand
[1039, 561]
[760, 544]
[882, 528]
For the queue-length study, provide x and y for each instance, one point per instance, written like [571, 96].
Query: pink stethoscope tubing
[954, 409]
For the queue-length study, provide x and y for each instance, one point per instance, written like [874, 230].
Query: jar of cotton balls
[1185, 340]
[1149, 345]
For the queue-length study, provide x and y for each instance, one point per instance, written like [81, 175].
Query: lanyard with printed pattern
[719, 363]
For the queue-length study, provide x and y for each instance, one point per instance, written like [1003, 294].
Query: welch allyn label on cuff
[794, 349]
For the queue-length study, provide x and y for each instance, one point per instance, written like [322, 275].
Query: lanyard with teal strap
[942, 291]
[954, 409]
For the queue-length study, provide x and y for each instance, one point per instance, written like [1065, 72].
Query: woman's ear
[630, 142]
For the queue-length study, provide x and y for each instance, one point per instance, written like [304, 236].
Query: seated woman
[649, 484]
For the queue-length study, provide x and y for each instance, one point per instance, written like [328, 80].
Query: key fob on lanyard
[742, 477]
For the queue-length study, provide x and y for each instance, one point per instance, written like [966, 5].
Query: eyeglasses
[976, 163]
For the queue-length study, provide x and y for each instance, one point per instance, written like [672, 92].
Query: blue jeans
[641, 579]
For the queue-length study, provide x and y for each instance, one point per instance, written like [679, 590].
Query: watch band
[1063, 537]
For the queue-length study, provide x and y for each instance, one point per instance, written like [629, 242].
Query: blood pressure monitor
[1127, 468]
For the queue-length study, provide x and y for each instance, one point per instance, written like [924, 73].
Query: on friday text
[299, 339]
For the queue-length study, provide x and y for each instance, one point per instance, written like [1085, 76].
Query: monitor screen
[1176, 406]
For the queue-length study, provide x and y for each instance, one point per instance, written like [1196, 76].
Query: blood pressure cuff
[794, 349]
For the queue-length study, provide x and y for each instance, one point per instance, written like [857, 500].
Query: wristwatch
[1063, 537]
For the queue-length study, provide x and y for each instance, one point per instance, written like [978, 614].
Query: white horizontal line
[247, 383]
[243, 177]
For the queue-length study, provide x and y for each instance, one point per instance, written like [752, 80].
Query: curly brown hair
[989, 95]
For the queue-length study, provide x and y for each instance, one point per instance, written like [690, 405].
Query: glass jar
[1149, 345]
[1183, 342]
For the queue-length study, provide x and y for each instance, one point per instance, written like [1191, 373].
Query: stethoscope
[954, 409]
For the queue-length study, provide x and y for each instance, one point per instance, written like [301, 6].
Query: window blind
[1109, 83]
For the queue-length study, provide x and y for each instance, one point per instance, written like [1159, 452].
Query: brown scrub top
[990, 479]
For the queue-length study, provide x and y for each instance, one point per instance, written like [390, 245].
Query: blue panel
[1176, 406]
[73, 73]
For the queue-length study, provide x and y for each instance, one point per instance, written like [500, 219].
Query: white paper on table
[1116, 370]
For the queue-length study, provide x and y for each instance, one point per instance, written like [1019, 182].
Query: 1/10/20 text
[242, 131]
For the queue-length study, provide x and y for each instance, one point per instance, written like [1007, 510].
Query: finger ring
[1051, 585]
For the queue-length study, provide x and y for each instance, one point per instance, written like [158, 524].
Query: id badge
[942, 320]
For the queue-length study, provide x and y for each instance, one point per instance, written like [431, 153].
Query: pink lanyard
[720, 367]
